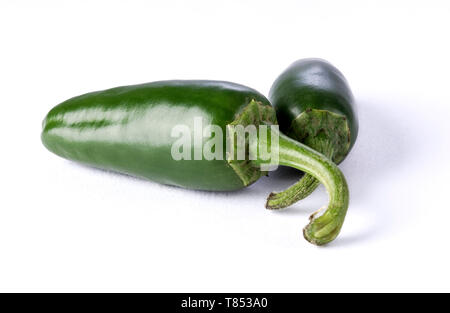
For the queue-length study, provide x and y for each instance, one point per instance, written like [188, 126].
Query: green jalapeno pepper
[133, 130]
[314, 105]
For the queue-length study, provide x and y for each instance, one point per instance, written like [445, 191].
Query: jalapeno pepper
[314, 105]
[131, 130]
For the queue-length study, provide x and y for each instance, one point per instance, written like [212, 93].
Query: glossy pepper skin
[131, 130]
[314, 105]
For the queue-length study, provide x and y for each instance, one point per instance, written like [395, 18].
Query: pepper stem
[307, 184]
[325, 228]
[299, 191]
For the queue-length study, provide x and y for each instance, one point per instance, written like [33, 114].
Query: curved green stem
[325, 228]
[307, 184]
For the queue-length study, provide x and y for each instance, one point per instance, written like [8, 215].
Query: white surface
[65, 227]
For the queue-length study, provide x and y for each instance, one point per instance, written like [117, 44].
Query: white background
[66, 227]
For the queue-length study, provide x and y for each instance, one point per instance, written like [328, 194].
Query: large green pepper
[315, 106]
[131, 130]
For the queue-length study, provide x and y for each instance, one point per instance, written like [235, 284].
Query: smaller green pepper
[315, 106]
